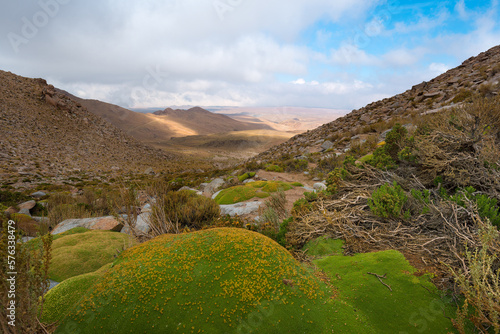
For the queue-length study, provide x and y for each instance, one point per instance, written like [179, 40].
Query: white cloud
[438, 68]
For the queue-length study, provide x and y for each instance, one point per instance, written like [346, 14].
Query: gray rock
[27, 205]
[326, 145]
[240, 209]
[249, 181]
[365, 118]
[108, 223]
[308, 188]
[319, 186]
[25, 212]
[146, 208]
[215, 195]
[38, 194]
[52, 284]
[213, 186]
[141, 225]
[384, 134]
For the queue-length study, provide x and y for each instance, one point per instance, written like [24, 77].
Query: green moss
[274, 168]
[260, 189]
[297, 184]
[414, 305]
[214, 281]
[246, 176]
[366, 158]
[324, 246]
[60, 300]
[235, 194]
[82, 253]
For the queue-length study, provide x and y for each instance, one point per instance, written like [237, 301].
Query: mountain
[161, 126]
[477, 75]
[205, 122]
[45, 133]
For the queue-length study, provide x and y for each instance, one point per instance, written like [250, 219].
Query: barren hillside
[45, 134]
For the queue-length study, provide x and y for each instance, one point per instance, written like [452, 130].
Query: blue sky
[306, 53]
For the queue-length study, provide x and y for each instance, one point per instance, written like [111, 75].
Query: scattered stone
[27, 205]
[326, 145]
[38, 194]
[141, 225]
[108, 223]
[25, 212]
[240, 209]
[213, 186]
[319, 186]
[365, 118]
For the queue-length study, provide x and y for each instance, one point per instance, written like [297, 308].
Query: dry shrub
[479, 282]
[462, 146]
[178, 210]
[30, 285]
[274, 210]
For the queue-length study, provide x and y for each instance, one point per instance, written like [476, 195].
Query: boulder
[141, 224]
[319, 186]
[108, 223]
[326, 145]
[27, 205]
[365, 118]
[215, 194]
[240, 209]
[38, 194]
[213, 186]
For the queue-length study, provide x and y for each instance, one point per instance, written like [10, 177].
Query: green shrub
[486, 206]
[9, 198]
[423, 197]
[394, 141]
[280, 235]
[381, 159]
[311, 196]
[186, 209]
[246, 176]
[329, 163]
[335, 178]
[301, 206]
[388, 201]
[274, 168]
[296, 165]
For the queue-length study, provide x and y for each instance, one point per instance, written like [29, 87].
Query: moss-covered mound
[61, 299]
[260, 189]
[408, 303]
[81, 253]
[214, 281]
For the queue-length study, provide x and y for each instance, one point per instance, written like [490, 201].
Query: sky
[340, 54]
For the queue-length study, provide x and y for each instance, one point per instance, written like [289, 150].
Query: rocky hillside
[47, 134]
[476, 75]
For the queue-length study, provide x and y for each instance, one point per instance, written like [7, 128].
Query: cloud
[315, 53]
